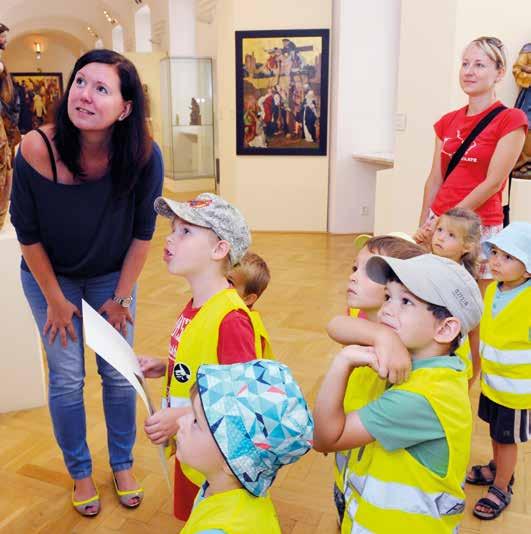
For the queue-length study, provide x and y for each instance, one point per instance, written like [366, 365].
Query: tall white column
[181, 28]
[363, 92]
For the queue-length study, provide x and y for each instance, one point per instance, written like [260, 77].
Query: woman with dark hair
[82, 206]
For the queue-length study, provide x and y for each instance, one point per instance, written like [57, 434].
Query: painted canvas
[40, 92]
[282, 92]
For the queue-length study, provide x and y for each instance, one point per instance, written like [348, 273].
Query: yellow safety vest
[234, 512]
[261, 331]
[463, 351]
[506, 351]
[392, 491]
[199, 345]
[364, 385]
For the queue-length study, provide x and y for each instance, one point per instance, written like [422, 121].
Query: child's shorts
[506, 425]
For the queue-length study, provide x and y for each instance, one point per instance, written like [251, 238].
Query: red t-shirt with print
[452, 129]
[235, 345]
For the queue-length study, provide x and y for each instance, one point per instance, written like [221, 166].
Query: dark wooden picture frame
[41, 92]
[282, 92]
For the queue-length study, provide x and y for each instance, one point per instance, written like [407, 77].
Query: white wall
[365, 48]
[428, 87]
[279, 193]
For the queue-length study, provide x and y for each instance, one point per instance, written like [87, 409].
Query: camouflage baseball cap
[211, 211]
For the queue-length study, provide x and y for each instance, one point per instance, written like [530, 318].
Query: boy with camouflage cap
[248, 421]
[208, 236]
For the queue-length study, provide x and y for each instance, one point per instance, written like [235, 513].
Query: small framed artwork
[282, 92]
[39, 92]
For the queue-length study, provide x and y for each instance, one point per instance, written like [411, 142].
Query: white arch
[99, 44]
[118, 39]
[143, 29]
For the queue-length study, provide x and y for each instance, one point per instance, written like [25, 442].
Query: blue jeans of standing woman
[66, 367]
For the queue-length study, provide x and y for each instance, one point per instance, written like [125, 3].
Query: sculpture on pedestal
[195, 114]
[522, 76]
[7, 130]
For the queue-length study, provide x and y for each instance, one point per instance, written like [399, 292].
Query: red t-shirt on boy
[452, 129]
[235, 345]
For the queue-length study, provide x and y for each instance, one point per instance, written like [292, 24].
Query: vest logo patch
[181, 372]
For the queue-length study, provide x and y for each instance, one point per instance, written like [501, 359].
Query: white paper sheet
[108, 343]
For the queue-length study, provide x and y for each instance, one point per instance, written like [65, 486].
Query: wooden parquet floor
[309, 273]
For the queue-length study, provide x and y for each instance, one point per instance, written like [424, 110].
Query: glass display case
[187, 117]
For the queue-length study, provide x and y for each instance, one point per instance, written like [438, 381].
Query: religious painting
[39, 93]
[282, 92]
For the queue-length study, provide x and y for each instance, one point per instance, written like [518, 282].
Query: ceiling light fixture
[109, 18]
[37, 50]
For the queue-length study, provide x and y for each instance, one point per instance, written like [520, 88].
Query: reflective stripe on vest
[504, 357]
[508, 385]
[176, 402]
[396, 496]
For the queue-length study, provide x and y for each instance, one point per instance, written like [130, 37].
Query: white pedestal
[520, 200]
[22, 383]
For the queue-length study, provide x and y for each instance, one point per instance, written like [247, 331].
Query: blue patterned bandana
[257, 416]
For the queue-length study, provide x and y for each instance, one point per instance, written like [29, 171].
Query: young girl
[457, 237]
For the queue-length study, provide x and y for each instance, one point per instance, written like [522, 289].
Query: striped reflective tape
[408, 499]
[521, 386]
[506, 357]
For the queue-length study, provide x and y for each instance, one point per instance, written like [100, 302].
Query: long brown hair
[131, 144]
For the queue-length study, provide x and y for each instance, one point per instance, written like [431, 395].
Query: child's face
[408, 316]
[188, 248]
[195, 445]
[506, 268]
[448, 240]
[362, 292]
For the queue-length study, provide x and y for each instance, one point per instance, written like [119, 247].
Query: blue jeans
[66, 367]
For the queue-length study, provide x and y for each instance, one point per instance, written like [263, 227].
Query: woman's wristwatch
[125, 302]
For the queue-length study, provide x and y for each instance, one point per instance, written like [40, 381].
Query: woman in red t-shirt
[478, 180]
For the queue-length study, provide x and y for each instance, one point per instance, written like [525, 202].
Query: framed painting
[40, 92]
[282, 92]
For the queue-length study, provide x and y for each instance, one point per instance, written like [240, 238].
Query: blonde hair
[470, 225]
[255, 273]
[494, 49]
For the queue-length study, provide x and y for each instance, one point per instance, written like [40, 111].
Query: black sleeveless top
[85, 229]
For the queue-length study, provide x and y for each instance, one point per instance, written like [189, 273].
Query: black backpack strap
[50, 152]
[480, 126]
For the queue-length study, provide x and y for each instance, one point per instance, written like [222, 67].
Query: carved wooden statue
[522, 76]
[195, 114]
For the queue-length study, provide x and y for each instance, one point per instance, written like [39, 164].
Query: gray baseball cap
[210, 211]
[436, 280]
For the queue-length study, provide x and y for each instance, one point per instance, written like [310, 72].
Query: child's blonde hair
[470, 225]
[255, 273]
